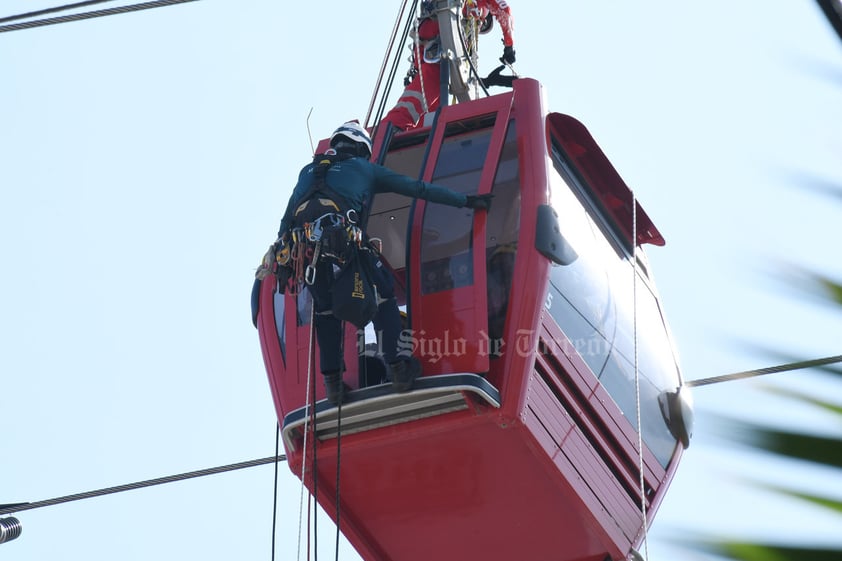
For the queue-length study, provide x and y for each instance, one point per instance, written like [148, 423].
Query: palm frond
[809, 399]
[822, 501]
[753, 551]
[812, 448]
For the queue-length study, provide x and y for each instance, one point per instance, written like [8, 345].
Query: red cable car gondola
[544, 351]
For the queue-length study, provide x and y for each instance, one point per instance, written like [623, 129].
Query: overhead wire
[91, 15]
[381, 109]
[141, 484]
[800, 365]
[46, 11]
[390, 46]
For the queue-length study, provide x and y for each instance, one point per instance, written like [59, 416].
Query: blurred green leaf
[830, 407]
[822, 450]
[747, 551]
[821, 501]
[832, 288]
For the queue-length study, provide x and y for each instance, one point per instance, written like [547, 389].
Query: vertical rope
[306, 431]
[419, 61]
[275, 494]
[472, 46]
[637, 380]
[339, 429]
[315, 469]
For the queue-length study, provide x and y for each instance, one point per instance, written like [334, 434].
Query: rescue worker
[423, 82]
[354, 179]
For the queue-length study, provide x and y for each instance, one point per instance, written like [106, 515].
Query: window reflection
[593, 303]
[502, 228]
[279, 301]
[446, 252]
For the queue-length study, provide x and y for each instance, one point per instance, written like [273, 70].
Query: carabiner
[310, 271]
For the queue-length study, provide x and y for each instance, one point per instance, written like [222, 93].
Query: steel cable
[52, 10]
[90, 15]
[140, 484]
[768, 370]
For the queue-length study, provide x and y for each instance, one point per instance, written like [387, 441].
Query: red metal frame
[467, 308]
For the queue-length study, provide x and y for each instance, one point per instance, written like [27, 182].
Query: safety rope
[140, 484]
[473, 67]
[472, 46]
[314, 542]
[339, 428]
[275, 491]
[763, 371]
[306, 432]
[418, 54]
[637, 381]
[90, 15]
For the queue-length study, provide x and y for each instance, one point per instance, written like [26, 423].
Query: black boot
[404, 373]
[337, 389]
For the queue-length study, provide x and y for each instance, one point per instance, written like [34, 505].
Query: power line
[90, 15]
[762, 371]
[7, 509]
[52, 10]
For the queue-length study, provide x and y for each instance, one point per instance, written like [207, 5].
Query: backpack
[320, 198]
[325, 216]
[332, 225]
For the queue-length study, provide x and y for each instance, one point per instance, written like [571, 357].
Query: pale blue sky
[146, 159]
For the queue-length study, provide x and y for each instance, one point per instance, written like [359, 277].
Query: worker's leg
[328, 334]
[395, 342]
[420, 96]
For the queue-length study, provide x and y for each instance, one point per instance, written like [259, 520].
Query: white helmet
[354, 132]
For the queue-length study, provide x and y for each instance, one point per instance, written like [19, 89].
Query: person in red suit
[423, 81]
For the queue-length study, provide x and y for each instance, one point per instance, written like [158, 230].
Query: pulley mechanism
[10, 528]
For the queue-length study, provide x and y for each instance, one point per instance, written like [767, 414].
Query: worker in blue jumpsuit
[355, 179]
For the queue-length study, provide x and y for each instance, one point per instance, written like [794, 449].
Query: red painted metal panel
[596, 531]
[619, 430]
[288, 372]
[465, 322]
[531, 269]
[609, 187]
[476, 490]
[599, 497]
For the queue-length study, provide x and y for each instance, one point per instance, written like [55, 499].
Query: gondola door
[448, 300]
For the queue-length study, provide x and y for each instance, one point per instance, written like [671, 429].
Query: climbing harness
[325, 228]
[329, 236]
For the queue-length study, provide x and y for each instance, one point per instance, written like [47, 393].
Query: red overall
[422, 94]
